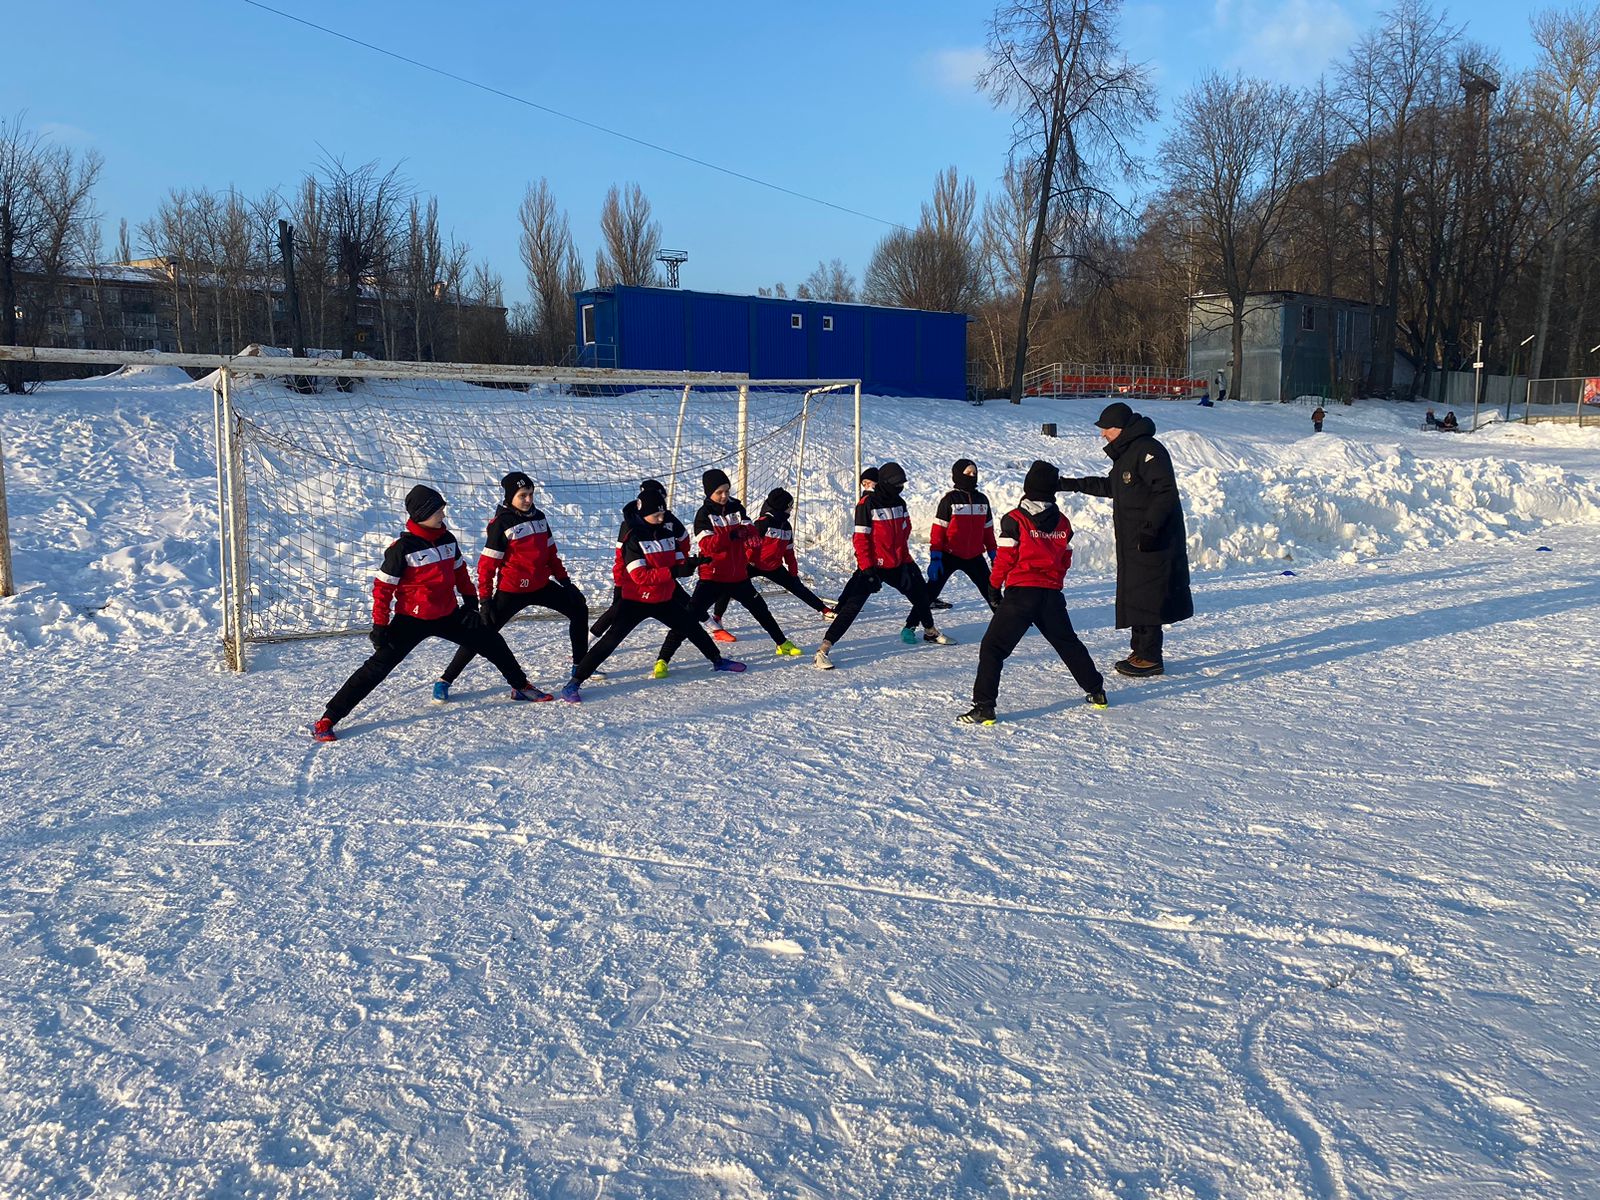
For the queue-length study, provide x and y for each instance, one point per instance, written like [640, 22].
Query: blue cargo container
[893, 351]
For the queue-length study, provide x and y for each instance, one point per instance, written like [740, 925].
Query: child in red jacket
[721, 530]
[1035, 550]
[652, 560]
[962, 538]
[883, 556]
[770, 552]
[414, 598]
[520, 568]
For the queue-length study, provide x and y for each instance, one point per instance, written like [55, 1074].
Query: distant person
[1450, 424]
[1219, 383]
[1429, 420]
[1317, 417]
[1206, 401]
[1147, 525]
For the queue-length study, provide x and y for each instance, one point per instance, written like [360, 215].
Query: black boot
[979, 714]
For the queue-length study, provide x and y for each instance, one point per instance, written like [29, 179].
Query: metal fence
[1575, 399]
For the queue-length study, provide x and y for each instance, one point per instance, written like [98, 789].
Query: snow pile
[114, 494]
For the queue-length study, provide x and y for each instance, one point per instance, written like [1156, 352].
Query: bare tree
[364, 213]
[630, 240]
[1565, 94]
[554, 270]
[936, 265]
[1077, 100]
[1237, 149]
[45, 208]
[1384, 84]
[831, 281]
[172, 236]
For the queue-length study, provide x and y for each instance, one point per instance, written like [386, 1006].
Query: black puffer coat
[1153, 584]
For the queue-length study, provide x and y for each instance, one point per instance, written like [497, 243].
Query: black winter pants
[975, 569]
[706, 593]
[1146, 642]
[906, 580]
[1044, 609]
[502, 606]
[405, 635]
[785, 579]
[628, 615]
[603, 621]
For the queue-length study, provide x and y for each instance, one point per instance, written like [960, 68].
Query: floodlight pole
[1512, 385]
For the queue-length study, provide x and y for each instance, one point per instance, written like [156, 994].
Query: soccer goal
[315, 457]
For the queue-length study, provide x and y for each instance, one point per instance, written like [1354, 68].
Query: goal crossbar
[740, 407]
[371, 368]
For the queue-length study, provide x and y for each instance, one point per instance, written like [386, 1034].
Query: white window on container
[827, 324]
[588, 324]
[796, 321]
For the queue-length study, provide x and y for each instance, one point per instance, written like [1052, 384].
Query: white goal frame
[233, 572]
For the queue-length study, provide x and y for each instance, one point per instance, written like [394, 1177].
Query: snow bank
[113, 494]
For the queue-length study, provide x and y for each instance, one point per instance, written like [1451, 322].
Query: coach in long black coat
[1147, 519]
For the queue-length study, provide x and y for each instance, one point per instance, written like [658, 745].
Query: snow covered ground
[1317, 914]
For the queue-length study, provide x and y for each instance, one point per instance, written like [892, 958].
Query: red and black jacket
[883, 531]
[963, 527]
[421, 574]
[1035, 547]
[650, 557]
[720, 533]
[771, 546]
[630, 519]
[519, 553]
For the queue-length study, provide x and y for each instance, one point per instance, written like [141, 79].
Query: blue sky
[859, 103]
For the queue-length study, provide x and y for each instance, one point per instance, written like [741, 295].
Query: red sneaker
[322, 731]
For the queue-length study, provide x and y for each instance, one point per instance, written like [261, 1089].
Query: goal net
[314, 470]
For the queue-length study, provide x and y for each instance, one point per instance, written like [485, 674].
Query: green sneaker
[789, 648]
[661, 669]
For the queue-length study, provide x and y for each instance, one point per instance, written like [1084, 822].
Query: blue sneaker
[441, 692]
[530, 694]
[727, 664]
[908, 636]
[570, 692]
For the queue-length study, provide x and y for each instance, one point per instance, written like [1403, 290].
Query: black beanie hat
[653, 485]
[1115, 416]
[422, 502]
[958, 473]
[650, 502]
[870, 475]
[514, 483]
[712, 480]
[892, 476]
[1041, 481]
[778, 501]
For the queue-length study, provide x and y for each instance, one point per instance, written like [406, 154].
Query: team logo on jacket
[1127, 477]
[433, 554]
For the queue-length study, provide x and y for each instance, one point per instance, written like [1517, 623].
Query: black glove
[690, 565]
[471, 615]
[1068, 485]
[379, 637]
[1149, 543]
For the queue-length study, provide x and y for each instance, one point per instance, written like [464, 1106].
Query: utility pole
[1477, 375]
[291, 289]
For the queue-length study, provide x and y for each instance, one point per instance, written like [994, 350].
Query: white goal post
[314, 457]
